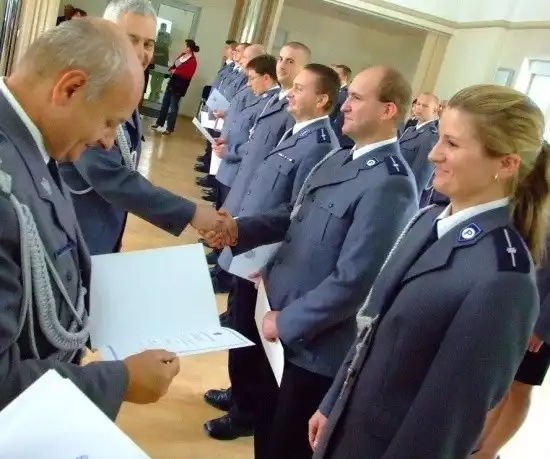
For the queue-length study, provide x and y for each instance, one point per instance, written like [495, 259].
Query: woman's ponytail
[530, 201]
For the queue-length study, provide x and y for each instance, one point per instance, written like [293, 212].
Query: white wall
[335, 41]
[470, 10]
[215, 20]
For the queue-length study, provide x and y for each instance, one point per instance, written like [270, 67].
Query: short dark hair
[244, 44]
[345, 70]
[299, 46]
[230, 42]
[328, 82]
[264, 65]
[395, 88]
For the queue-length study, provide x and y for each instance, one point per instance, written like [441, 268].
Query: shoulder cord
[303, 191]
[38, 271]
[129, 161]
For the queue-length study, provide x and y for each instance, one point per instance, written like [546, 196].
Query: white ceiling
[355, 17]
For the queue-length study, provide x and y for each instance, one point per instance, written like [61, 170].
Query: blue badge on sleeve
[469, 233]
[323, 136]
[395, 165]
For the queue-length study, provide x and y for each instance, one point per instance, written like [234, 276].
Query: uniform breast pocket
[332, 225]
[279, 169]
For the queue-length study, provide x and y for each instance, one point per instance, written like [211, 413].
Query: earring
[496, 176]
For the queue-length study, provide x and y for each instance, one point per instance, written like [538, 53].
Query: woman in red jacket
[181, 72]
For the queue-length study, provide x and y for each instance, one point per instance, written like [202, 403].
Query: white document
[251, 262]
[217, 101]
[215, 162]
[203, 131]
[273, 350]
[53, 419]
[160, 298]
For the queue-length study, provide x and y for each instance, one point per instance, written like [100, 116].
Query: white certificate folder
[156, 299]
[217, 101]
[53, 419]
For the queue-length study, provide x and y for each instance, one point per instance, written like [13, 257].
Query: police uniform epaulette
[395, 165]
[323, 136]
[512, 253]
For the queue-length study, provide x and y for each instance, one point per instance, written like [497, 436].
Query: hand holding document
[274, 350]
[53, 419]
[249, 263]
[156, 299]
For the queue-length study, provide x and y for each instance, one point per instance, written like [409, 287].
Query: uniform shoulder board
[511, 251]
[323, 136]
[395, 165]
[5, 183]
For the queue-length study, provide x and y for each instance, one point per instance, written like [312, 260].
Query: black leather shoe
[210, 197]
[220, 286]
[201, 158]
[225, 319]
[219, 399]
[227, 428]
[212, 257]
[200, 167]
[206, 182]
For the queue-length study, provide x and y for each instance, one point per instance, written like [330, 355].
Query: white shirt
[446, 222]
[283, 94]
[228, 61]
[238, 68]
[419, 125]
[373, 146]
[298, 126]
[29, 124]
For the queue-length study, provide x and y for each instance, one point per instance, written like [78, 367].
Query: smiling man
[105, 183]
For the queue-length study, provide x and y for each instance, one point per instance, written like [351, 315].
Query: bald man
[417, 141]
[71, 89]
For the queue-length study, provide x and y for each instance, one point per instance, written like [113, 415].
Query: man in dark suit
[336, 116]
[62, 97]
[105, 183]
[334, 240]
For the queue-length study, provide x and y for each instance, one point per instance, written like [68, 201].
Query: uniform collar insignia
[469, 233]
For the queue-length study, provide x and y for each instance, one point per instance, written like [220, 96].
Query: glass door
[177, 22]
[10, 11]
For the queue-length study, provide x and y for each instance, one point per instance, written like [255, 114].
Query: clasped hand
[218, 228]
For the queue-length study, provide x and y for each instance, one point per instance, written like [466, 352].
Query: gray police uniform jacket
[332, 250]
[542, 327]
[416, 145]
[31, 183]
[222, 73]
[268, 129]
[280, 176]
[236, 131]
[459, 316]
[233, 86]
[115, 189]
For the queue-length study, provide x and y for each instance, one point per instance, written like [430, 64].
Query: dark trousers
[223, 191]
[281, 424]
[169, 110]
[244, 363]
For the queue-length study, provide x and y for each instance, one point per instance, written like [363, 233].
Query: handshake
[218, 228]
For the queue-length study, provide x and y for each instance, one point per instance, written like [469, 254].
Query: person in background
[105, 183]
[448, 319]
[411, 122]
[78, 13]
[181, 73]
[336, 116]
[161, 56]
[72, 87]
[504, 421]
[68, 12]
[417, 142]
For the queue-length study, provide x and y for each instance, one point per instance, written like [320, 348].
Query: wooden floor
[173, 428]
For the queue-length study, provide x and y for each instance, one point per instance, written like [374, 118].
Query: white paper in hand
[53, 419]
[251, 262]
[274, 351]
[203, 131]
[151, 299]
[217, 101]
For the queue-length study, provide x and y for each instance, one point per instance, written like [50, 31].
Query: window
[536, 84]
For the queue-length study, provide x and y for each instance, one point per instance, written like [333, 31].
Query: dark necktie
[348, 159]
[432, 238]
[54, 171]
